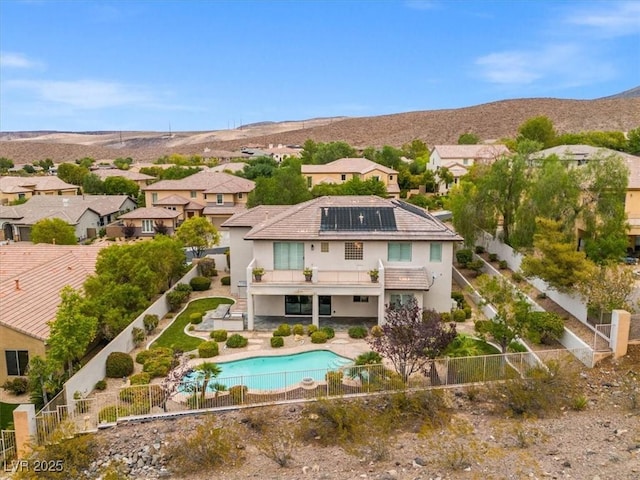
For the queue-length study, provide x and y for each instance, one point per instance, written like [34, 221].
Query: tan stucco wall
[632, 209]
[12, 340]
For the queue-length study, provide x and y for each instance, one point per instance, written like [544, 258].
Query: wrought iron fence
[7, 447]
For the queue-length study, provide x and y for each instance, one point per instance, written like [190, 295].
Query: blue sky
[210, 65]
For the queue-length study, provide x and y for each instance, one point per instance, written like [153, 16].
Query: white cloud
[610, 19]
[16, 60]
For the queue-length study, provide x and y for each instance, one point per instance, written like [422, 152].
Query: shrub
[357, 332]
[141, 378]
[138, 335]
[119, 364]
[493, 257]
[334, 382]
[145, 355]
[298, 329]
[17, 386]
[319, 337]
[311, 329]
[283, 330]
[200, 284]
[237, 341]
[376, 331]
[458, 297]
[467, 312]
[206, 266]
[517, 277]
[183, 287]
[195, 318]
[176, 298]
[111, 413]
[445, 317]
[464, 256]
[479, 249]
[503, 265]
[543, 327]
[277, 342]
[100, 385]
[476, 266]
[225, 280]
[237, 393]
[208, 349]
[158, 366]
[329, 332]
[150, 322]
[459, 315]
[218, 335]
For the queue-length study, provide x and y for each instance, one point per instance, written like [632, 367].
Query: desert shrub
[334, 382]
[283, 330]
[158, 366]
[502, 265]
[357, 332]
[142, 378]
[218, 335]
[200, 284]
[459, 315]
[277, 444]
[237, 393]
[145, 355]
[493, 257]
[150, 322]
[319, 337]
[237, 341]
[298, 329]
[368, 358]
[277, 342]
[119, 364]
[195, 318]
[138, 335]
[176, 298]
[183, 287]
[208, 349]
[329, 332]
[225, 280]
[334, 422]
[311, 329]
[475, 266]
[479, 249]
[445, 317]
[464, 256]
[206, 266]
[111, 413]
[376, 331]
[100, 385]
[17, 386]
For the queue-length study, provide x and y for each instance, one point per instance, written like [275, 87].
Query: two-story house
[361, 255]
[344, 169]
[458, 159]
[21, 188]
[140, 178]
[215, 195]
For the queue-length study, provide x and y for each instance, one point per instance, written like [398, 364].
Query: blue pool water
[275, 372]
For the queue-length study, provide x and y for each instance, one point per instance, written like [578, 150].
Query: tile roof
[115, 172]
[31, 277]
[207, 181]
[172, 200]
[26, 184]
[255, 215]
[150, 213]
[231, 166]
[302, 222]
[487, 152]
[224, 210]
[347, 165]
[406, 278]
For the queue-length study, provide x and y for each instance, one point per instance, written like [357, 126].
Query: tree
[209, 371]
[120, 186]
[542, 327]
[70, 173]
[555, 259]
[608, 287]
[321, 153]
[5, 164]
[46, 164]
[53, 230]
[45, 380]
[123, 163]
[471, 212]
[28, 168]
[411, 339]
[512, 309]
[285, 187]
[539, 129]
[198, 234]
[259, 167]
[354, 186]
[72, 331]
[93, 184]
[633, 141]
[468, 139]
[416, 149]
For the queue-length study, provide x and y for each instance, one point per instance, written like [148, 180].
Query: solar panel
[413, 209]
[354, 219]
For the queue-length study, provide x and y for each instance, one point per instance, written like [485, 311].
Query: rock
[566, 464]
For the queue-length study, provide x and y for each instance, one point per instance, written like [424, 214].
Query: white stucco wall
[241, 251]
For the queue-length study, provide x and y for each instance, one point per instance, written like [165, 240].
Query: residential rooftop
[206, 181]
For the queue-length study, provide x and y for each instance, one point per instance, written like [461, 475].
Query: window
[399, 251]
[376, 178]
[219, 199]
[154, 197]
[343, 177]
[239, 195]
[193, 194]
[390, 177]
[21, 196]
[435, 252]
[400, 299]
[17, 361]
[465, 161]
[297, 305]
[147, 226]
[309, 182]
[353, 251]
[324, 247]
[288, 255]
[360, 299]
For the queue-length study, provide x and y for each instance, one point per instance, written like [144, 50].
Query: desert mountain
[489, 121]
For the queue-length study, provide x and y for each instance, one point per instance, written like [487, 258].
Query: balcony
[330, 277]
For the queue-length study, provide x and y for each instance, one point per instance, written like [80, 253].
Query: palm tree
[209, 371]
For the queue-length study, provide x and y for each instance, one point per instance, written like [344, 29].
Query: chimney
[17, 284]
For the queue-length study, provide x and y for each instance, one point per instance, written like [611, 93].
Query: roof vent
[17, 284]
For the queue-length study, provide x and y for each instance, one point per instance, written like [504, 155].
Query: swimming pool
[275, 372]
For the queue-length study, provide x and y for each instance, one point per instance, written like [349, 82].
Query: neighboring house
[215, 195]
[344, 169]
[31, 278]
[581, 154]
[140, 178]
[223, 156]
[233, 167]
[20, 188]
[458, 159]
[86, 213]
[148, 221]
[341, 239]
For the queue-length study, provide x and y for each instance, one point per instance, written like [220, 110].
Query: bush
[176, 298]
[467, 312]
[195, 318]
[277, 342]
[376, 331]
[459, 315]
[357, 332]
[464, 256]
[218, 335]
[493, 257]
[283, 330]
[503, 265]
[208, 349]
[150, 322]
[206, 266]
[459, 298]
[319, 337]
[138, 335]
[183, 287]
[298, 329]
[145, 355]
[311, 329]
[225, 280]
[334, 382]
[111, 413]
[200, 284]
[119, 364]
[100, 385]
[141, 378]
[445, 317]
[158, 366]
[329, 332]
[479, 249]
[17, 386]
[517, 277]
[476, 266]
[237, 341]
[544, 327]
[238, 394]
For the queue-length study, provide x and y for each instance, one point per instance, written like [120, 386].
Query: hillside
[490, 121]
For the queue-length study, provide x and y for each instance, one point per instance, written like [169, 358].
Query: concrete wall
[241, 254]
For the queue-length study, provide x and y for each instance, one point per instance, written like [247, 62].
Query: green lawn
[174, 336]
[6, 414]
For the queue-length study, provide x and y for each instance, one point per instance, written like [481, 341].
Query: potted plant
[258, 272]
[308, 273]
[374, 274]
